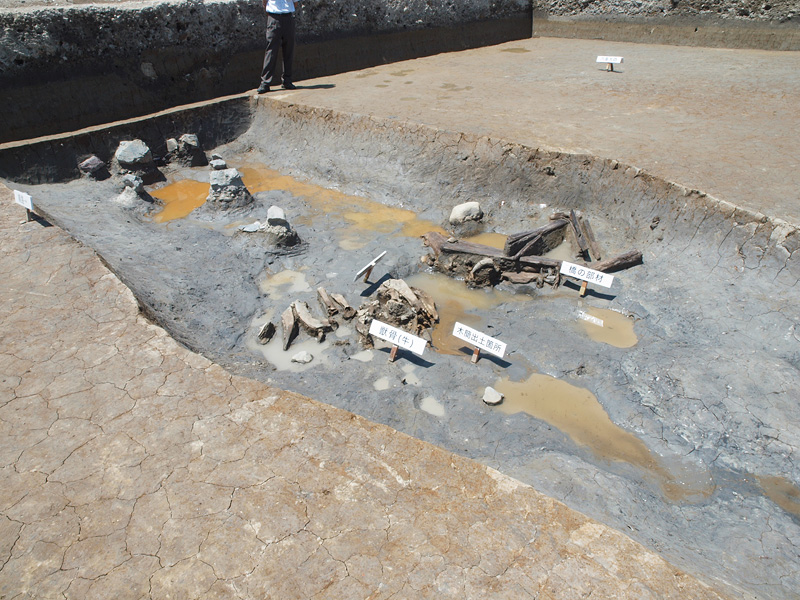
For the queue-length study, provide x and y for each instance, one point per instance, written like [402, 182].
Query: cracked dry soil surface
[131, 467]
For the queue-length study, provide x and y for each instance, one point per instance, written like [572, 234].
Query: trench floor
[134, 468]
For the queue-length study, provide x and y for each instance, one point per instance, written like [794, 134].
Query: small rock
[128, 198]
[134, 182]
[302, 357]
[251, 228]
[91, 165]
[220, 180]
[188, 141]
[492, 397]
[468, 211]
[216, 156]
[218, 164]
[133, 154]
[172, 145]
[276, 216]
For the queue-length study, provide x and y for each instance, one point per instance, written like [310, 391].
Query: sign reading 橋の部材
[479, 340]
[586, 274]
[23, 199]
[397, 337]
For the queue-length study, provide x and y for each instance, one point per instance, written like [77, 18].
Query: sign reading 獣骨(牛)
[397, 337]
[479, 340]
[587, 274]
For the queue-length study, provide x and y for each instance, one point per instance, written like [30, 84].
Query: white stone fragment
[492, 397]
[302, 357]
[468, 211]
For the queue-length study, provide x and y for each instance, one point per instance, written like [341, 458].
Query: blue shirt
[280, 6]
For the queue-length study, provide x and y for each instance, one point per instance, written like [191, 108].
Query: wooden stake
[28, 215]
[475, 355]
[584, 285]
[393, 353]
[368, 273]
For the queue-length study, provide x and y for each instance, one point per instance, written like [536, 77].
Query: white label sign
[398, 337]
[370, 265]
[610, 59]
[587, 274]
[589, 318]
[479, 340]
[23, 199]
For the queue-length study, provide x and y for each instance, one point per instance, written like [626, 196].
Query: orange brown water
[180, 198]
[616, 330]
[495, 240]
[577, 412]
[363, 214]
[454, 301]
[782, 492]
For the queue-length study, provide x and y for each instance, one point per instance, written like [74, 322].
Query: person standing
[280, 34]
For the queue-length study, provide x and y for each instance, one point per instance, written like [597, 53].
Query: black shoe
[288, 85]
[262, 89]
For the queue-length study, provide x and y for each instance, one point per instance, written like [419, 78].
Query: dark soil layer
[710, 388]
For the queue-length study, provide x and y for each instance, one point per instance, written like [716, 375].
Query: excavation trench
[663, 406]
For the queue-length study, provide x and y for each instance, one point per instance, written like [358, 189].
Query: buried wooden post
[584, 286]
[476, 355]
[368, 273]
[393, 353]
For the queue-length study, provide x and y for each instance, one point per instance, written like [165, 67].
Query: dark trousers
[280, 34]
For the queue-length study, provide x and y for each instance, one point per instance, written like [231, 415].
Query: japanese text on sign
[587, 274]
[609, 59]
[398, 337]
[23, 199]
[479, 340]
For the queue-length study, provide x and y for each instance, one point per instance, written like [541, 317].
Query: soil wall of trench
[713, 23]
[710, 389]
[68, 67]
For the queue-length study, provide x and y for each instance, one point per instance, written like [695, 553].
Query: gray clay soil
[710, 388]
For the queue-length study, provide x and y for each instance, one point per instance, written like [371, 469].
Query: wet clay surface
[652, 445]
[134, 468]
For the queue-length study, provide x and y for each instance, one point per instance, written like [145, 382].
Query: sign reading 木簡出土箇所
[479, 340]
[397, 337]
[587, 274]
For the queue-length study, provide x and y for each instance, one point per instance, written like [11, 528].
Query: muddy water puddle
[456, 302]
[285, 283]
[360, 214]
[180, 198]
[782, 492]
[494, 240]
[577, 412]
[608, 326]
